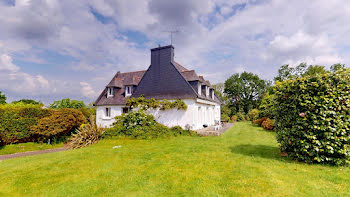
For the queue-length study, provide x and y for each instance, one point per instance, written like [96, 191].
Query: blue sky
[54, 49]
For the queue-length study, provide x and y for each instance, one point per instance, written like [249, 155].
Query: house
[164, 79]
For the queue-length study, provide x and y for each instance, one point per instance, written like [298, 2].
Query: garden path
[39, 152]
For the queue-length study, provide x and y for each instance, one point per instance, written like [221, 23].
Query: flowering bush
[312, 118]
[259, 121]
[268, 124]
[234, 118]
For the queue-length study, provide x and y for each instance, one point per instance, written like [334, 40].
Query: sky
[54, 49]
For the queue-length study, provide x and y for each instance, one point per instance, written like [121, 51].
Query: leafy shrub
[86, 135]
[16, 121]
[225, 117]
[234, 118]
[240, 116]
[177, 131]
[144, 104]
[253, 114]
[67, 103]
[266, 107]
[60, 123]
[268, 124]
[139, 124]
[312, 118]
[259, 121]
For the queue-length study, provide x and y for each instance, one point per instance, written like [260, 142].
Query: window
[206, 91]
[109, 92]
[126, 110]
[108, 112]
[212, 94]
[128, 90]
[199, 88]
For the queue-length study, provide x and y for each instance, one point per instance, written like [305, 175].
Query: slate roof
[164, 79]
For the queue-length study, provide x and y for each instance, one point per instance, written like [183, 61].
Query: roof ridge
[133, 71]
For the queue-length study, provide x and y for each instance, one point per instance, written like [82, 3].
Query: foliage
[139, 124]
[16, 120]
[225, 118]
[266, 107]
[59, 123]
[312, 117]
[28, 101]
[245, 91]
[2, 98]
[219, 90]
[268, 124]
[240, 116]
[144, 104]
[259, 121]
[67, 103]
[234, 118]
[178, 131]
[253, 114]
[337, 67]
[86, 135]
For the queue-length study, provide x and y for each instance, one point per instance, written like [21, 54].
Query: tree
[27, 101]
[219, 90]
[2, 98]
[245, 91]
[336, 67]
[67, 103]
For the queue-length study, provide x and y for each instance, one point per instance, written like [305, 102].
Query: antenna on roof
[171, 35]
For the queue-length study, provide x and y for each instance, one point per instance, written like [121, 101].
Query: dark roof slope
[163, 79]
[119, 81]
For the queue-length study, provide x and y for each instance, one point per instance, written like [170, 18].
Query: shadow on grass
[263, 151]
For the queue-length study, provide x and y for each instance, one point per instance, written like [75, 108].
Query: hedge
[18, 122]
[312, 118]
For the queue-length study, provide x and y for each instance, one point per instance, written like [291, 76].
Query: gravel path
[39, 152]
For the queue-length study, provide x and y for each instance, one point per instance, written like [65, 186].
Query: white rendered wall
[102, 120]
[196, 115]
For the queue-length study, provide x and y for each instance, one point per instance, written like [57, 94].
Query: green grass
[245, 161]
[24, 147]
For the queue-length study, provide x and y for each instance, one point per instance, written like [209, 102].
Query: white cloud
[6, 63]
[87, 90]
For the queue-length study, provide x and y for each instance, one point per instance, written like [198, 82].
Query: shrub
[60, 123]
[268, 124]
[259, 121]
[266, 107]
[67, 103]
[240, 116]
[16, 121]
[234, 118]
[312, 118]
[86, 135]
[225, 117]
[253, 114]
[139, 124]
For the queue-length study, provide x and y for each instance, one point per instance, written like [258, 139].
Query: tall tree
[336, 67]
[245, 91]
[27, 101]
[67, 103]
[2, 98]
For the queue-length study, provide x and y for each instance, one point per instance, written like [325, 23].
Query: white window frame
[107, 112]
[199, 89]
[110, 92]
[128, 90]
[206, 91]
[212, 94]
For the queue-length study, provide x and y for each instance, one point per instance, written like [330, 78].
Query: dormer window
[128, 90]
[110, 92]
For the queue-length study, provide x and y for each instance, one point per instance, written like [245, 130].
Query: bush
[240, 116]
[16, 121]
[234, 118]
[259, 121]
[59, 124]
[225, 117]
[140, 125]
[67, 103]
[266, 107]
[253, 114]
[312, 118]
[86, 135]
[268, 124]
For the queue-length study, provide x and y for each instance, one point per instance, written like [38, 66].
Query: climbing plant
[143, 103]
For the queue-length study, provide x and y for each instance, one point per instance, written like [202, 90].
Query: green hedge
[18, 123]
[312, 118]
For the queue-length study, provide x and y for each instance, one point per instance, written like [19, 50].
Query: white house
[164, 79]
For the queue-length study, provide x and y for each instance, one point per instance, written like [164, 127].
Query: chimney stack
[162, 55]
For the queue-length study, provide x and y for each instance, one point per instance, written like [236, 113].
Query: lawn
[24, 147]
[245, 161]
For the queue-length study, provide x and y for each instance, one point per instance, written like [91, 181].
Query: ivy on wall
[143, 103]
